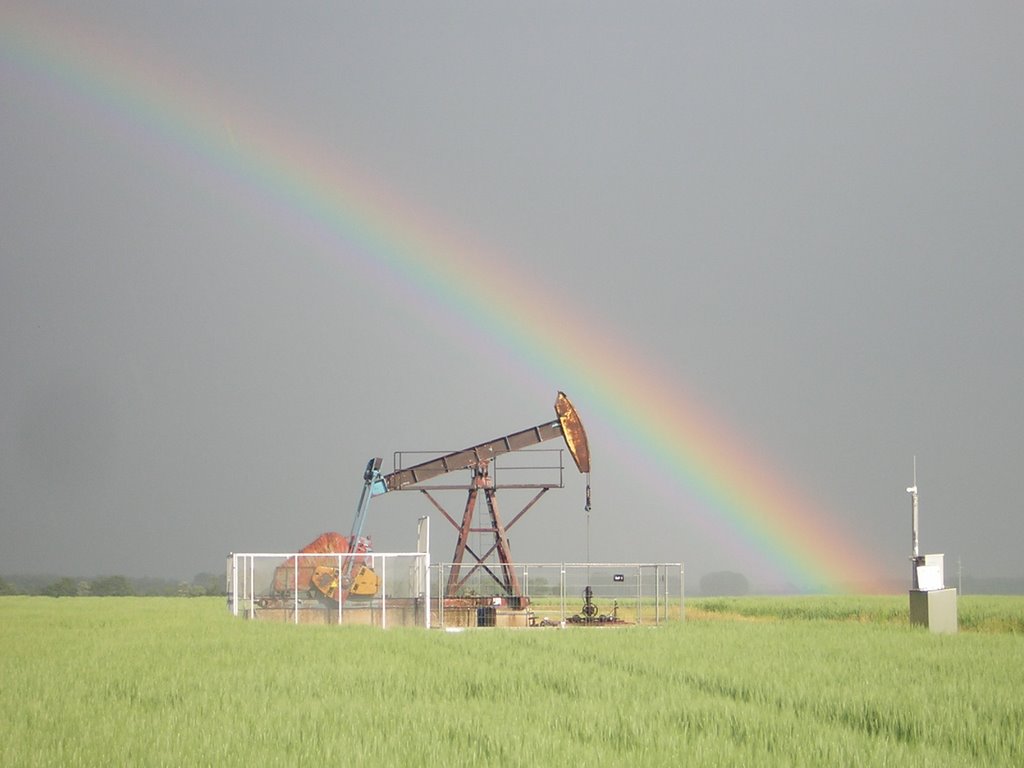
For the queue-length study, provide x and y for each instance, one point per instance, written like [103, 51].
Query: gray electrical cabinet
[932, 604]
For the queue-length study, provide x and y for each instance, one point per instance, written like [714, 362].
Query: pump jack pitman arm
[372, 486]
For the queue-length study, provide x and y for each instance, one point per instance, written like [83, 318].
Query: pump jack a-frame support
[506, 578]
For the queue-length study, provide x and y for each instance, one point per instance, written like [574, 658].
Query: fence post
[234, 584]
[384, 593]
[657, 594]
[252, 589]
[639, 593]
[424, 568]
[342, 561]
[295, 590]
[440, 593]
[667, 594]
[682, 592]
[561, 589]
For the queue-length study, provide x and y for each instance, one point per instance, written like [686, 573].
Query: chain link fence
[562, 594]
[377, 589]
[403, 589]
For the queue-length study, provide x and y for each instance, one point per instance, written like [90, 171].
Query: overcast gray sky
[802, 217]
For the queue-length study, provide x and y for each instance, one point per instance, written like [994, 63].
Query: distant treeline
[973, 585]
[66, 586]
[723, 583]
[730, 584]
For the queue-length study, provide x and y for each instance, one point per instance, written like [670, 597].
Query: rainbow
[638, 412]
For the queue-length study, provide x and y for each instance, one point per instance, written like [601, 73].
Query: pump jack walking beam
[567, 425]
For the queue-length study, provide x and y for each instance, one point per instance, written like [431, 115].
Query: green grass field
[796, 681]
[997, 613]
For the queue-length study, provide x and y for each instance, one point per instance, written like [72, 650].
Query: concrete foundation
[462, 616]
[399, 613]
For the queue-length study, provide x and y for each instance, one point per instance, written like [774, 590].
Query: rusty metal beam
[472, 457]
[526, 509]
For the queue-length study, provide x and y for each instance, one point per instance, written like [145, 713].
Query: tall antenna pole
[912, 490]
[914, 512]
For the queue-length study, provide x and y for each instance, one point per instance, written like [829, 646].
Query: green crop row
[162, 682]
[976, 613]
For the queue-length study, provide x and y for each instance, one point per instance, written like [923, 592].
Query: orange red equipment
[314, 576]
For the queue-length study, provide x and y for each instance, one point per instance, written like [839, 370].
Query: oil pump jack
[321, 576]
[477, 459]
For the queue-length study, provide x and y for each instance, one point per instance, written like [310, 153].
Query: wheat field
[99, 681]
